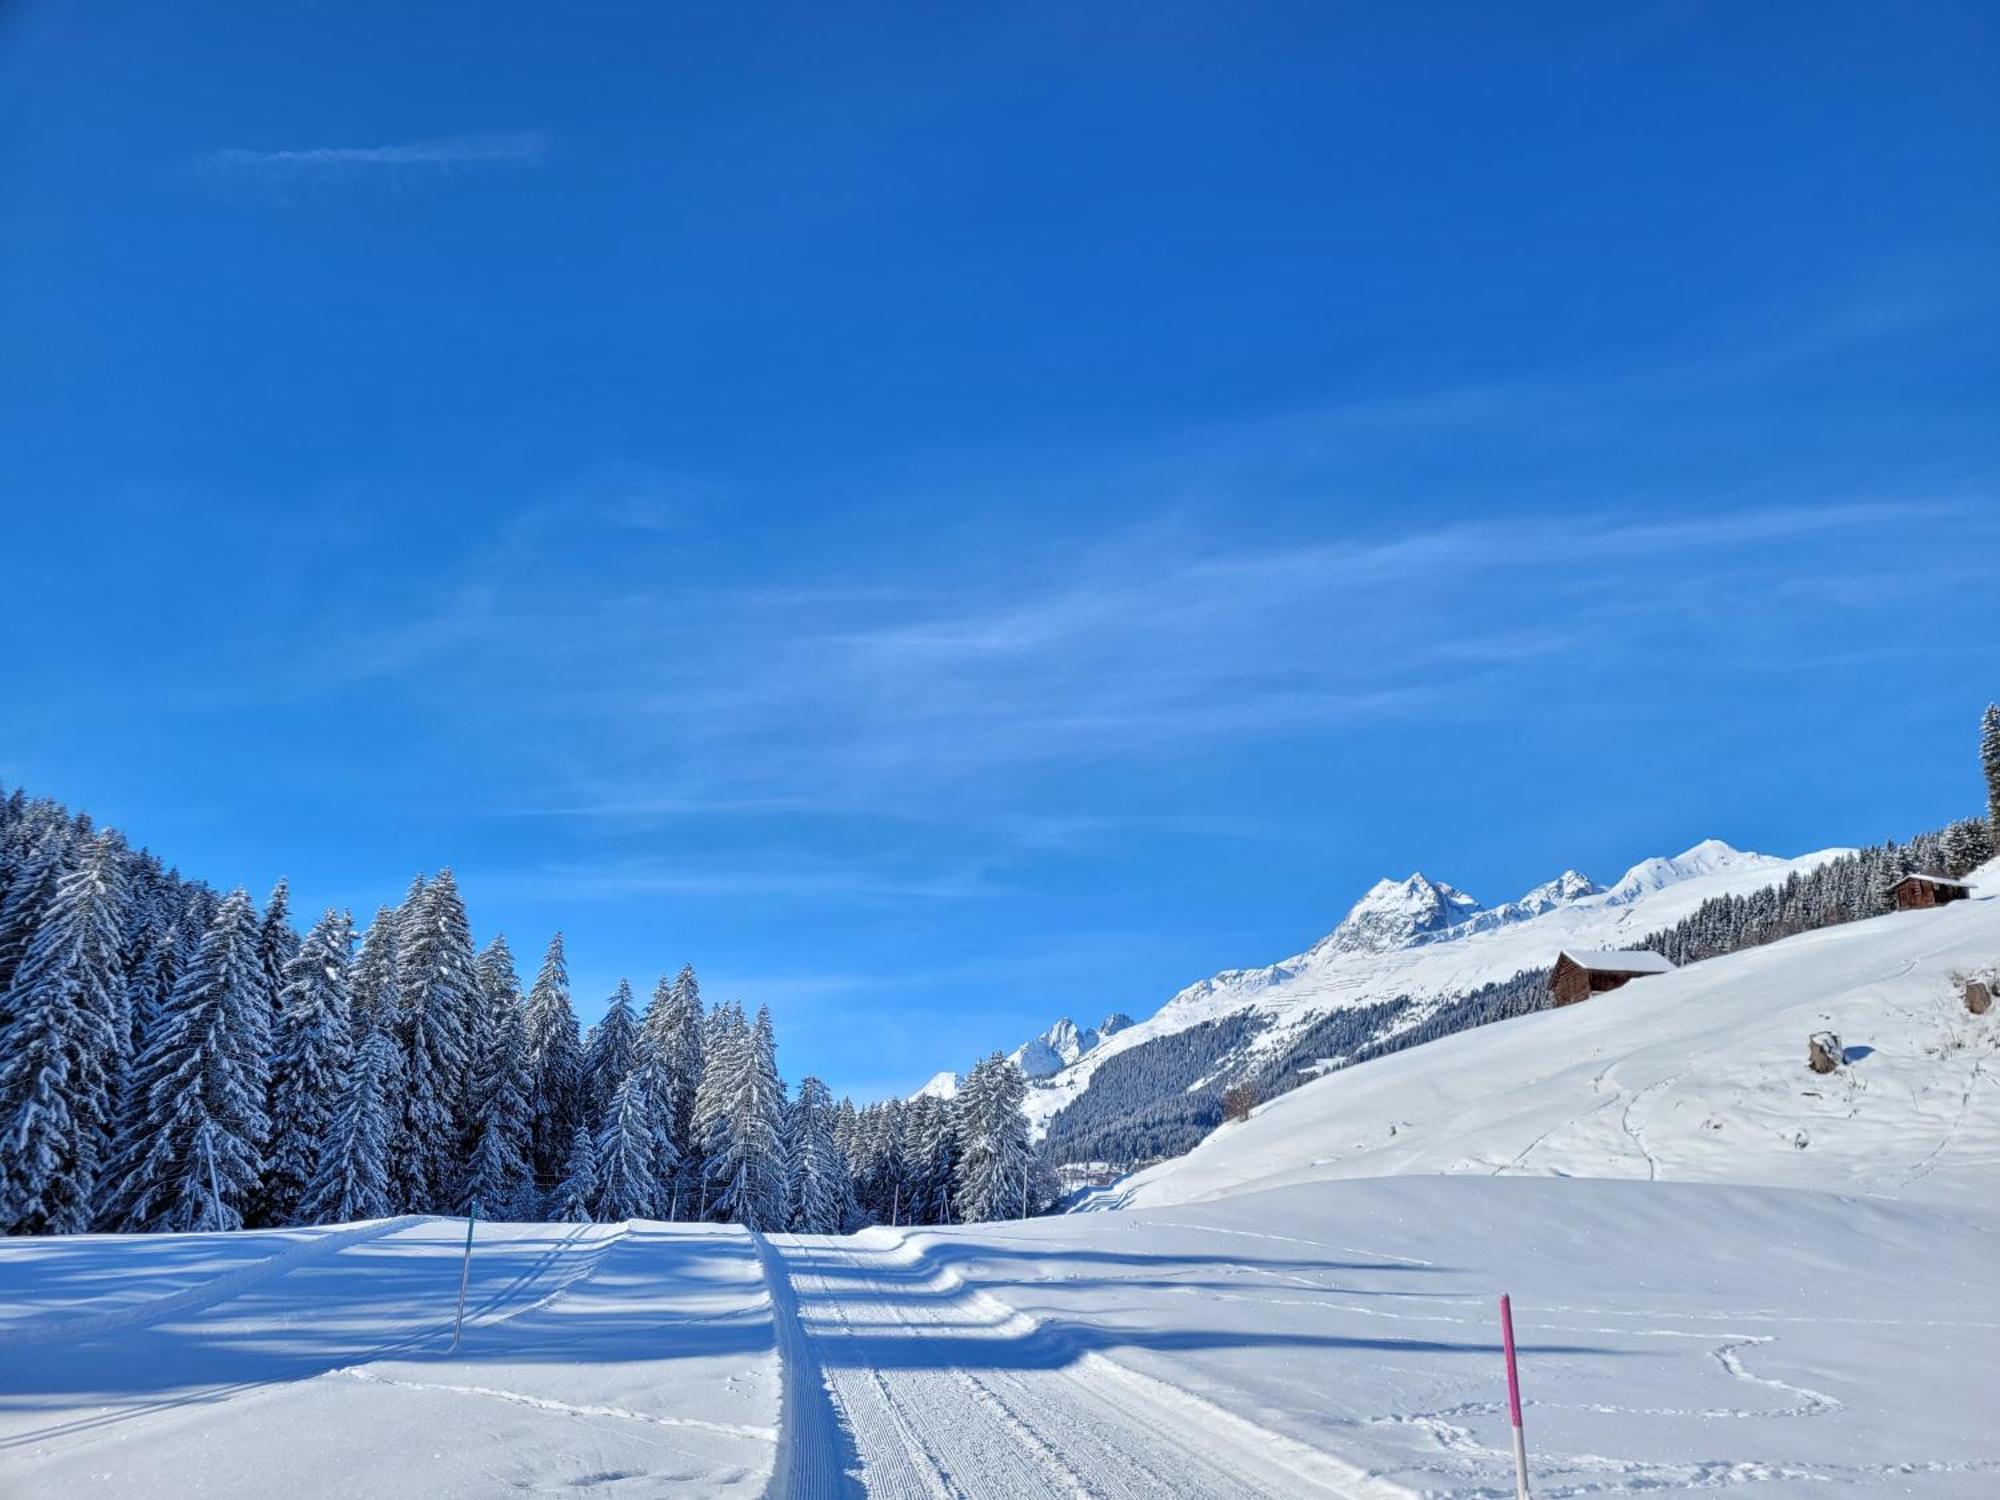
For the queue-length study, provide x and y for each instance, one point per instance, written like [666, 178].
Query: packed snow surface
[319, 1363]
[1326, 1339]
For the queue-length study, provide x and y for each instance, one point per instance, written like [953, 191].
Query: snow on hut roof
[1628, 961]
[1930, 879]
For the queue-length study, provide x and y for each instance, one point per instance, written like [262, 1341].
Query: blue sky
[946, 517]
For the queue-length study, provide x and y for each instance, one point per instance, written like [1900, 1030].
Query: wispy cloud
[788, 880]
[520, 148]
[658, 699]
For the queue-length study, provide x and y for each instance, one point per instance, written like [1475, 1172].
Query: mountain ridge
[1426, 940]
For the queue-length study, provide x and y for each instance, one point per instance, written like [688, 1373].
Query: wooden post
[1514, 1399]
[464, 1273]
[214, 1193]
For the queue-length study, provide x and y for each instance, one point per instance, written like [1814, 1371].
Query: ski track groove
[956, 1422]
[813, 1446]
[927, 1469]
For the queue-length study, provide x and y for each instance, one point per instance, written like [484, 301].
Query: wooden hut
[1916, 892]
[1578, 976]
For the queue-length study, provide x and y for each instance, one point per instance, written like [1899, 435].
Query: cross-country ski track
[949, 1394]
[1326, 1340]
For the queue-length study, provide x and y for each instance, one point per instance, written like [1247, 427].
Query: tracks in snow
[815, 1454]
[941, 1392]
[204, 1294]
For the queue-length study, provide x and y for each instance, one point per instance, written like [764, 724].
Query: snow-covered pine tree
[724, 1044]
[146, 890]
[994, 1152]
[149, 970]
[1989, 761]
[627, 1149]
[61, 1051]
[149, 976]
[670, 1041]
[314, 1048]
[1967, 845]
[31, 892]
[819, 1197]
[609, 1052]
[887, 1182]
[571, 1202]
[376, 989]
[933, 1148]
[555, 1067]
[442, 997]
[846, 1123]
[193, 1163]
[1889, 864]
[748, 1170]
[351, 1177]
[499, 1176]
[409, 916]
[277, 943]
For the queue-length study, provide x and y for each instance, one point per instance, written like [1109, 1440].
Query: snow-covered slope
[1695, 1076]
[1422, 938]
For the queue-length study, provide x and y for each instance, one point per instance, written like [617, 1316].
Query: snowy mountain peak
[1709, 857]
[1062, 1044]
[1566, 887]
[1396, 913]
[942, 1086]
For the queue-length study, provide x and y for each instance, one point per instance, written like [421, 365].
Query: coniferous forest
[172, 1058]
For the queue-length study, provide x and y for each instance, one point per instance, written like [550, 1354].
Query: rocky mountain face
[1063, 1044]
[1396, 913]
[1043, 1056]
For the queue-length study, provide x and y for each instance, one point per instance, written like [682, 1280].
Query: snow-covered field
[1333, 1339]
[1728, 1273]
[318, 1362]
[1342, 1339]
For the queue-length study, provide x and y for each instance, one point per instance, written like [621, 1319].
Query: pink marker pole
[1514, 1399]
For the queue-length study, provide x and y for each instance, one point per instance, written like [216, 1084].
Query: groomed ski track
[904, 1383]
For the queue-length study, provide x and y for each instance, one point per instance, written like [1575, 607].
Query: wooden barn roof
[1629, 961]
[1927, 879]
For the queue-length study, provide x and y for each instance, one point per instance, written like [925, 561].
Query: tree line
[1849, 888]
[176, 1059]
